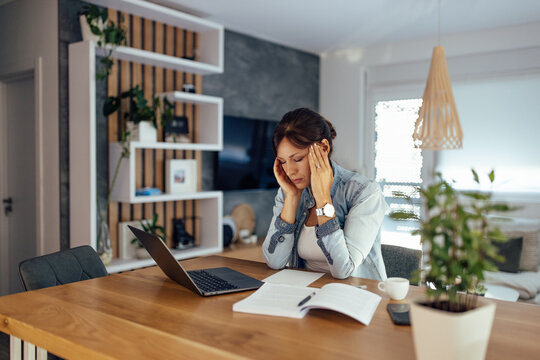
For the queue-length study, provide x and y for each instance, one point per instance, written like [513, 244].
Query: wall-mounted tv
[247, 157]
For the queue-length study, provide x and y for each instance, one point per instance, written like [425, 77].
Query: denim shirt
[350, 242]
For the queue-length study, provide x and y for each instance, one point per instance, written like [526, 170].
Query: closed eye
[298, 160]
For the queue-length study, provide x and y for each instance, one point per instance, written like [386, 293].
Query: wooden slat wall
[150, 163]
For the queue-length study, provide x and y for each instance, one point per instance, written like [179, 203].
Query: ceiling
[319, 26]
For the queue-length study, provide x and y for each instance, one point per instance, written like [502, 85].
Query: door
[18, 177]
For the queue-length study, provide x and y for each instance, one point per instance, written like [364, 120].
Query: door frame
[8, 73]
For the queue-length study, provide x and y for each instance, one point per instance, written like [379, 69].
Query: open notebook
[295, 301]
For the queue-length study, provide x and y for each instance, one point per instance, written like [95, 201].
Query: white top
[310, 251]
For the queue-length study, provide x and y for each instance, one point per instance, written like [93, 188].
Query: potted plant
[141, 116]
[452, 322]
[152, 228]
[97, 27]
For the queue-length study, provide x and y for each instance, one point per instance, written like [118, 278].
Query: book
[295, 301]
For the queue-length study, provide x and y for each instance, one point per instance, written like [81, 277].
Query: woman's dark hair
[303, 127]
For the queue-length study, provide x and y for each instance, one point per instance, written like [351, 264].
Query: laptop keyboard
[208, 282]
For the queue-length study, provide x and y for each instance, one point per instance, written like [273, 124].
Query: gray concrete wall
[261, 80]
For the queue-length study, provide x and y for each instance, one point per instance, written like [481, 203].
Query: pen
[306, 299]
[362, 286]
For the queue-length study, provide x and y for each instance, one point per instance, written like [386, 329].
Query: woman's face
[295, 163]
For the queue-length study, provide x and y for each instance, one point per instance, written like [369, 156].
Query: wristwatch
[327, 210]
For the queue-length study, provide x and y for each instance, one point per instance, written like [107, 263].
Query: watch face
[328, 210]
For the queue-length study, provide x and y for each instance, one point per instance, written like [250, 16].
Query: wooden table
[143, 314]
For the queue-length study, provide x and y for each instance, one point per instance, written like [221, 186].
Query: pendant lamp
[437, 126]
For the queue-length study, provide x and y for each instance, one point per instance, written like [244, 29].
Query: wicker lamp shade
[437, 126]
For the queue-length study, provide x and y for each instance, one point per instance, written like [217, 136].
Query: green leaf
[475, 176]
[492, 176]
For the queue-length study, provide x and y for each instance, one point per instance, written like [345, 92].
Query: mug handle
[382, 286]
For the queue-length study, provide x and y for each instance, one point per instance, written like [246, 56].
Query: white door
[18, 175]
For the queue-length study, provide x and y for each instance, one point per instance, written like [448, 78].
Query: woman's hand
[322, 175]
[284, 182]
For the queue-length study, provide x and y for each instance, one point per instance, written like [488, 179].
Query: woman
[325, 217]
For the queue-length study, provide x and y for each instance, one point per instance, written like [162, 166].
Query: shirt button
[281, 239]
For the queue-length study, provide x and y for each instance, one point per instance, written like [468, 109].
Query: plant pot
[143, 131]
[141, 253]
[440, 334]
[87, 34]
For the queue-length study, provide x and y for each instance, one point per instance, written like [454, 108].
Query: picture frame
[181, 176]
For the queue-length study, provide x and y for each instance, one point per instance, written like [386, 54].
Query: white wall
[348, 77]
[351, 78]
[28, 30]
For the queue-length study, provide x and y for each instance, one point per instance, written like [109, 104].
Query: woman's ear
[325, 145]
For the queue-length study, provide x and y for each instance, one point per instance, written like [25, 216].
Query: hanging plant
[108, 34]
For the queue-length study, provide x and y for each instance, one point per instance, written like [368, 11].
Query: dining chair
[62, 267]
[400, 261]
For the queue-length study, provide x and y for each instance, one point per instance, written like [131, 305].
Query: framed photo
[181, 176]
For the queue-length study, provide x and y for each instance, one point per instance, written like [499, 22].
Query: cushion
[511, 251]
[529, 230]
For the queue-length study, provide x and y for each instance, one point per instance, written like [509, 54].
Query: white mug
[397, 288]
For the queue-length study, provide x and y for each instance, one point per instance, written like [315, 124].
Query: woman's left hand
[322, 175]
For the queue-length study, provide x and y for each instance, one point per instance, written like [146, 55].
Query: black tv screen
[247, 157]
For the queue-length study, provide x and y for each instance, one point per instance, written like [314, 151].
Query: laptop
[205, 282]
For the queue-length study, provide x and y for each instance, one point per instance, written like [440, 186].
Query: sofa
[526, 281]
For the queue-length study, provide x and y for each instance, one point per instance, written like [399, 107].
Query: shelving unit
[211, 139]
[211, 233]
[82, 115]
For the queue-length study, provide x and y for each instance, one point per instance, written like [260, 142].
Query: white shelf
[176, 146]
[210, 116]
[210, 207]
[210, 34]
[174, 197]
[166, 61]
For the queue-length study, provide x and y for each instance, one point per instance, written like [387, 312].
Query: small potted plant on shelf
[141, 115]
[97, 27]
[452, 322]
[150, 227]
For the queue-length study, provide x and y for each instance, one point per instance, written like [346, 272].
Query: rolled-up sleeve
[279, 241]
[347, 248]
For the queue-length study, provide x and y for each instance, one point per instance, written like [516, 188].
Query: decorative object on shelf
[182, 239]
[104, 249]
[97, 27]
[141, 116]
[244, 218]
[438, 126]
[147, 191]
[126, 250]
[150, 227]
[177, 130]
[229, 231]
[458, 234]
[103, 241]
[246, 237]
[181, 176]
[189, 88]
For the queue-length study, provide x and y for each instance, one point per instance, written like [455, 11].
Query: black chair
[62, 267]
[401, 261]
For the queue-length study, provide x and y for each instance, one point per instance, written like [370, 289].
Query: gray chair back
[62, 267]
[401, 261]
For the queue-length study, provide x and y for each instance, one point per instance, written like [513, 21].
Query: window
[398, 165]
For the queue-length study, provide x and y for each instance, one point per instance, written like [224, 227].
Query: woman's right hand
[284, 182]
